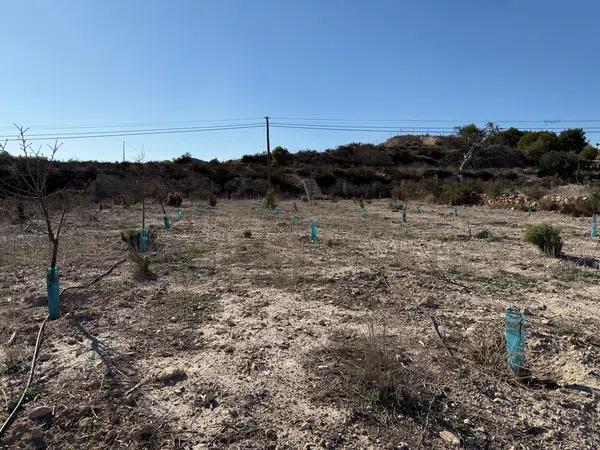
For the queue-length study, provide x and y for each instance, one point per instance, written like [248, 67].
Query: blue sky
[181, 63]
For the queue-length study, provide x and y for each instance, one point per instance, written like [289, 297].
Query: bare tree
[31, 170]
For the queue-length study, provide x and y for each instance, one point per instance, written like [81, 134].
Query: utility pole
[123, 151]
[268, 152]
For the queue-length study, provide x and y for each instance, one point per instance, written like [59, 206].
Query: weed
[483, 234]
[132, 239]
[247, 234]
[15, 360]
[197, 251]
[270, 201]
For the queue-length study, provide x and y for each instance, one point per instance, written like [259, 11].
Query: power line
[89, 135]
[330, 119]
[364, 127]
[410, 129]
[139, 124]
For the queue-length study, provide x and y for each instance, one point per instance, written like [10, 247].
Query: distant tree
[472, 139]
[572, 140]
[183, 159]
[281, 155]
[509, 137]
[561, 164]
[534, 144]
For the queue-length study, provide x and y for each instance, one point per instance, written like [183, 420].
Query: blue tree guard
[200, 205]
[167, 222]
[529, 212]
[594, 226]
[514, 333]
[313, 230]
[294, 218]
[143, 239]
[404, 217]
[455, 211]
[179, 214]
[419, 209]
[53, 290]
[364, 212]
[277, 211]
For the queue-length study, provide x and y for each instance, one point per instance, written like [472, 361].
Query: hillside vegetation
[485, 160]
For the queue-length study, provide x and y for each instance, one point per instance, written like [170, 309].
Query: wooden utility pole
[268, 152]
[123, 151]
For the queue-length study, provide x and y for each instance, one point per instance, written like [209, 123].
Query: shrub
[572, 140]
[207, 196]
[281, 155]
[561, 164]
[483, 234]
[183, 159]
[247, 234]
[589, 153]
[534, 144]
[126, 200]
[270, 201]
[212, 200]
[546, 238]
[459, 193]
[174, 199]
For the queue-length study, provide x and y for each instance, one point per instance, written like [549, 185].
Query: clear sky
[134, 64]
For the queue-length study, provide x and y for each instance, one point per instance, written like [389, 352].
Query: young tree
[31, 170]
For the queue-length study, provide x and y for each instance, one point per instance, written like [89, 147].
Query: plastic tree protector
[167, 222]
[419, 209]
[294, 218]
[143, 240]
[277, 210]
[179, 214]
[364, 212]
[313, 230]
[404, 218]
[455, 211]
[594, 226]
[529, 212]
[514, 333]
[53, 286]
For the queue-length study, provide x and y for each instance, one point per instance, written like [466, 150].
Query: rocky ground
[271, 341]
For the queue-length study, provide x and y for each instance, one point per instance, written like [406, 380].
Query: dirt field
[271, 341]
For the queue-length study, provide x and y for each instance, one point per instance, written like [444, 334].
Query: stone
[40, 412]
[450, 437]
[171, 376]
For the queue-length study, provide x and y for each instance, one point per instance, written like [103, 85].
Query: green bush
[546, 238]
[561, 164]
[534, 144]
[588, 153]
[572, 140]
